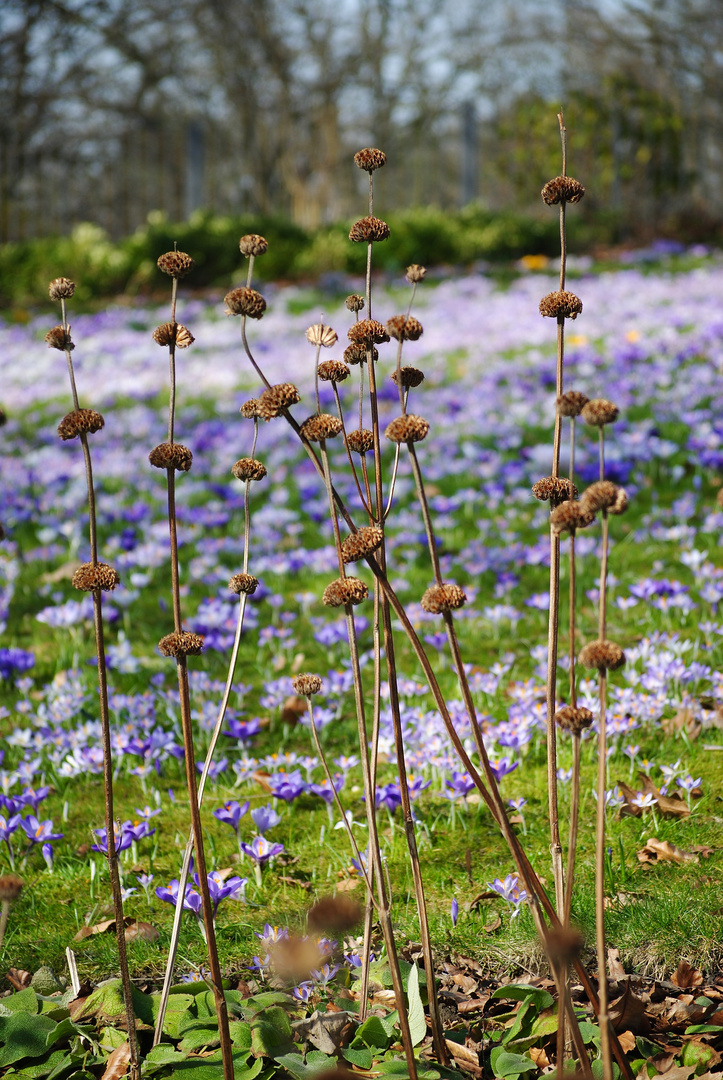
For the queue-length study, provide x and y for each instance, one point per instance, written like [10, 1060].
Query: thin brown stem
[574, 820]
[365, 505]
[600, 884]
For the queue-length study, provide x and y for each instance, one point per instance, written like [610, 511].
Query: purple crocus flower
[287, 786]
[121, 837]
[30, 797]
[242, 729]
[169, 895]
[260, 850]
[454, 911]
[231, 813]
[324, 974]
[233, 888]
[264, 818]
[502, 767]
[39, 832]
[459, 786]
[510, 891]
[8, 826]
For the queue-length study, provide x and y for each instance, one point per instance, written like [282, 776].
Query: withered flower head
[293, 958]
[335, 915]
[570, 516]
[62, 288]
[175, 263]
[415, 273]
[554, 488]
[171, 456]
[365, 332]
[439, 598]
[719, 498]
[409, 376]
[333, 371]
[318, 334]
[59, 338]
[91, 576]
[250, 409]
[169, 332]
[561, 303]
[357, 354]
[244, 583]
[80, 421]
[603, 655]
[248, 469]
[408, 428]
[361, 441]
[599, 412]
[10, 887]
[253, 244]
[355, 302]
[275, 399]
[322, 426]
[604, 495]
[306, 684]
[564, 945]
[562, 189]
[574, 719]
[571, 403]
[370, 159]
[404, 328]
[363, 542]
[181, 644]
[245, 301]
[343, 591]
[369, 230]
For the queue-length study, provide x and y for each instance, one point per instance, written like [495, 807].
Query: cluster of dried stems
[366, 542]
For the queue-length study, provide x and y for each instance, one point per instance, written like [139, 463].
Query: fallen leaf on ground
[347, 884]
[18, 978]
[616, 969]
[628, 1012]
[684, 720]
[663, 851]
[141, 931]
[686, 976]
[472, 1004]
[627, 1041]
[325, 1030]
[491, 927]
[117, 1063]
[540, 1058]
[668, 805]
[464, 1055]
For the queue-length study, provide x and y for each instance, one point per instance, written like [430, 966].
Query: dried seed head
[357, 354]
[369, 230]
[169, 332]
[335, 915]
[80, 421]
[244, 583]
[91, 576]
[181, 644]
[306, 685]
[175, 263]
[409, 376]
[171, 456]
[604, 495]
[603, 655]
[248, 469]
[62, 288]
[574, 719]
[59, 338]
[355, 302]
[564, 946]
[561, 303]
[363, 542]
[253, 244]
[361, 441]
[343, 591]
[292, 959]
[570, 516]
[367, 332]
[599, 412]
[250, 409]
[10, 887]
[333, 371]
[245, 301]
[409, 428]
[318, 334]
[439, 598]
[554, 488]
[562, 189]
[370, 159]
[415, 273]
[571, 403]
[321, 426]
[275, 399]
[404, 327]
[719, 498]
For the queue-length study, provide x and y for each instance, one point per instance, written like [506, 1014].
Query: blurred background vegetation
[122, 116]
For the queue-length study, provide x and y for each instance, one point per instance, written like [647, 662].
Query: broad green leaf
[205, 1004]
[111, 1038]
[546, 1023]
[696, 1053]
[23, 1035]
[178, 1007]
[373, 1034]
[398, 1067]
[521, 992]
[240, 1034]
[40, 1069]
[591, 1034]
[505, 1064]
[417, 1022]
[701, 1029]
[300, 1070]
[107, 1004]
[522, 1022]
[201, 1037]
[159, 1057]
[597, 1069]
[363, 1058]
[258, 1002]
[647, 1048]
[26, 1001]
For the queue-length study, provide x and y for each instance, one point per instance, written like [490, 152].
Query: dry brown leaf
[472, 1004]
[627, 1041]
[491, 927]
[662, 1063]
[682, 1072]
[616, 969]
[262, 777]
[462, 1053]
[466, 983]
[668, 805]
[686, 976]
[18, 978]
[104, 927]
[386, 998]
[703, 850]
[347, 884]
[540, 1058]
[663, 851]
[684, 720]
[139, 930]
[628, 1012]
[117, 1063]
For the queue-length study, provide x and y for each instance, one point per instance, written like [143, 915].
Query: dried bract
[181, 644]
[571, 403]
[415, 274]
[78, 422]
[603, 655]
[322, 426]
[275, 399]
[318, 334]
[404, 328]
[245, 301]
[248, 469]
[570, 516]
[171, 456]
[561, 304]
[360, 441]
[573, 718]
[253, 244]
[599, 412]
[244, 583]
[62, 288]
[91, 576]
[305, 685]
[363, 542]
[59, 338]
[408, 428]
[562, 189]
[333, 371]
[173, 333]
[369, 230]
[408, 376]
[439, 598]
[343, 591]
[556, 489]
[175, 263]
[604, 495]
[370, 159]
[355, 302]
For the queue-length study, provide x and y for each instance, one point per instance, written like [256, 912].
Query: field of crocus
[651, 339]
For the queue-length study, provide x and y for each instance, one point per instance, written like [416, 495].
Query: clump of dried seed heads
[62, 288]
[571, 403]
[171, 456]
[78, 422]
[367, 332]
[250, 409]
[357, 354]
[343, 591]
[446, 597]
[333, 371]
[306, 684]
[321, 427]
[415, 273]
[173, 334]
[361, 543]
[570, 516]
[561, 304]
[408, 376]
[59, 338]
[360, 441]
[605, 495]
[245, 301]
[404, 328]
[354, 302]
[369, 230]
[91, 576]
[562, 189]
[175, 263]
[573, 718]
[181, 644]
[253, 244]
[248, 469]
[370, 159]
[599, 412]
[275, 399]
[603, 655]
[244, 583]
[556, 489]
[408, 428]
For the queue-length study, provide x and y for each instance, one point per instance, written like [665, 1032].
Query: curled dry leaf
[627, 1041]
[686, 976]
[347, 884]
[616, 969]
[540, 1058]
[663, 851]
[627, 1013]
[141, 931]
[117, 1063]
[495, 925]
[18, 978]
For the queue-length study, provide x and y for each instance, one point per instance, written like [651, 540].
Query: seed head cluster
[439, 598]
[305, 685]
[408, 376]
[78, 422]
[599, 412]
[604, 495]
[555, 489]
[181, 644]
[570, 516]
[562, 189]
[250, 409]
[415, 273]
[175, 263]
[360, 441]
[333, 371]
[603, 655]
[62, 288]
[248, 469]
[574, 719]
[245, 301]
[404, 328]
[59, 338]
[370, 159]
[357, 354]
[354, 302]
[275, 399]
[571, 403]
[253, 244]
[369, 230]
[561, 304]
[343, 591]
[366, 332]
[173, 334]
[361, 543]
[171, 456]
[91, 576]
[409, 428]
[320, 427]
[244, 583]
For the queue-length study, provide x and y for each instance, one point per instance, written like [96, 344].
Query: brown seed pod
[370, 159]
[245, 301]
[175, 263]
[367, 331]
[554, 488]
[564, 945]
[305, 684]
[562, 189]
[404, 328]
[333, 371]
[248, 469]
[570, 516]
[275, 399]
[409, 376]
[355, 302]
[62, 288]
[603, 655]
[253, 244]
[599, 412]
[183, 644]
[171, 456]
[561, 303]
[361, 441]
[170, 333]
[357, 354]
[361, 543]
[571, 403]
[91, 576]
[574, 719]
[250, 409]
[59, 338]
[604, 495]
[10, 887]
[439, 598]
[244, 583]
[318, 334]
[408, 428]
[335, 915]
[322, 426]
[343, 591]
[415, 273]
[80, 421]
[369, 230]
